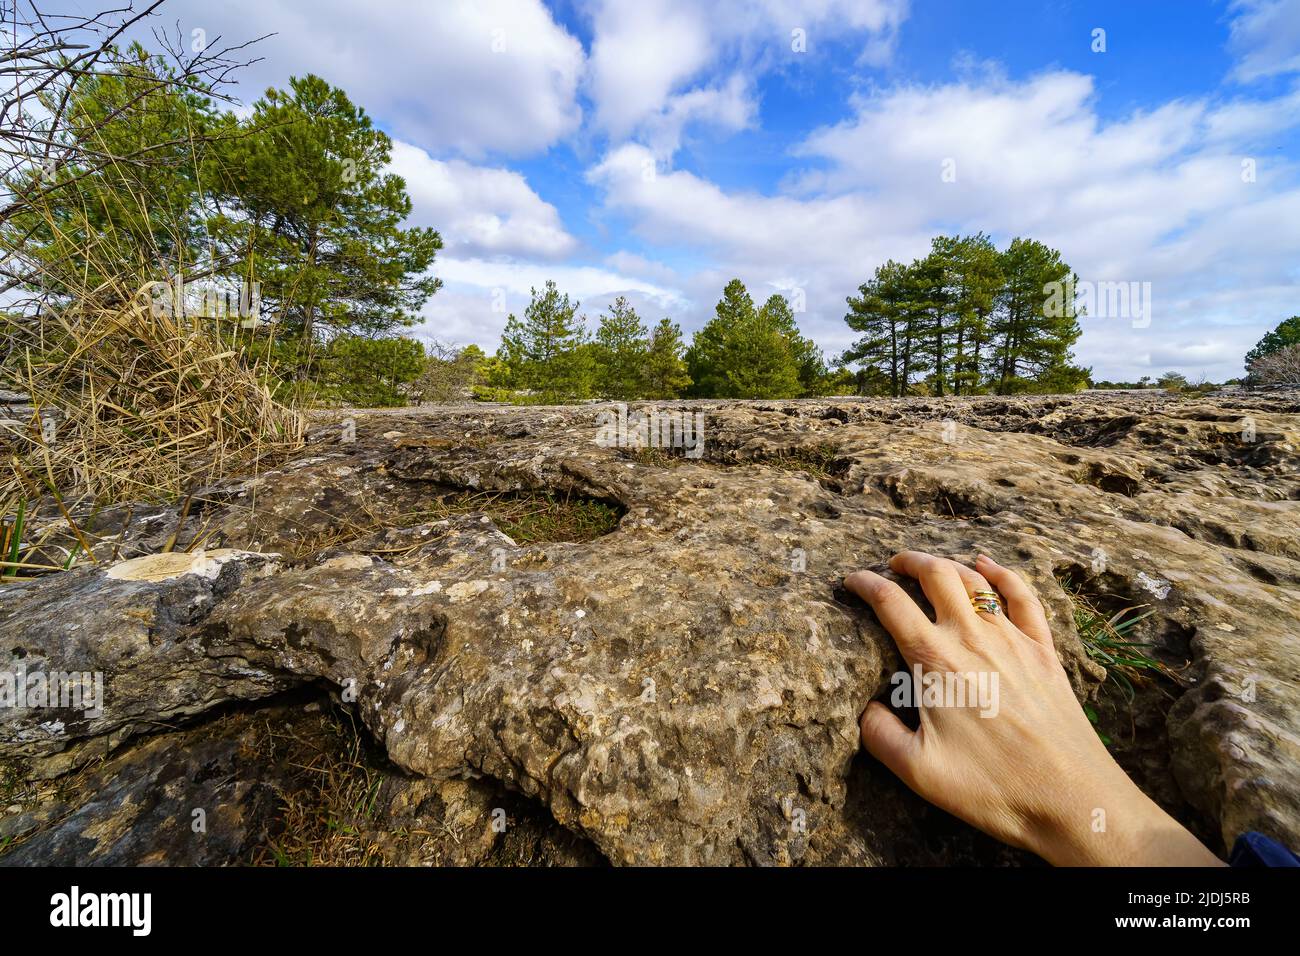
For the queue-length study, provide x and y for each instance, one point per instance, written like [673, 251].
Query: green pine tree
[808, 358]
[966, 318]
[370, 372]
[880, 314]
[310, 213]
[665, 364]
[619, 352]
[546, 352]
[972, 277]
[929, 306]
[742, 352]
[1028, 341]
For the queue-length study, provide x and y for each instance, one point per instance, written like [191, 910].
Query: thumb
[888, 739]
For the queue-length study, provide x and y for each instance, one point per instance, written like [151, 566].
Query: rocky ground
[484, 635]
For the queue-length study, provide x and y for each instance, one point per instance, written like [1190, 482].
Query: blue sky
[658, 148]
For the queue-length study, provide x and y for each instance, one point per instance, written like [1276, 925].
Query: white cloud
[428, 71]
[1265, 38]
[638, 265]
[726, 106]
[1243, 121]
[657, 65]
[640, 53]
[823, 247]
[515, 279]
[480, 211]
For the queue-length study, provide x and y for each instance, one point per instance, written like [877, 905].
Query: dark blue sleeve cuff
[1255, 849]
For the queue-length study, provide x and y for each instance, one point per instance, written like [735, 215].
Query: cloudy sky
[658, 148]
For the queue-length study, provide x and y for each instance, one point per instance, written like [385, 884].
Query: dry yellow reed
[143, 402]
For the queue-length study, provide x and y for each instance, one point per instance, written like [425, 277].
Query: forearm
[1125, 828]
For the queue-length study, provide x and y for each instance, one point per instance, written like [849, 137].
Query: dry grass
[130, 405]
[528, 517]
[329, 820]
[142, 405]
[536, 517]
[19, 788]
[136, 396]
[818, 461]
[654, 457]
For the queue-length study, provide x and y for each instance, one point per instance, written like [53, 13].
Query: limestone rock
[685, 689]
[135, 634]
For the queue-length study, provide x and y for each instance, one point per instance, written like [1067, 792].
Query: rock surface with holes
[685, 689]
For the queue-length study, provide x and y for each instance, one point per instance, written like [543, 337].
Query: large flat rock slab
[685, 689]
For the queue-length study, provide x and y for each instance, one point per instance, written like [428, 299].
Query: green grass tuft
[1108, 639]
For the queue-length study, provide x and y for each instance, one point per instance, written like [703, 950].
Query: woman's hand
[1031, 771]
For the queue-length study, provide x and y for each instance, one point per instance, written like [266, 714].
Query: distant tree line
[1169, 382]
[549, 354]
[1274, 360]
[966, 319]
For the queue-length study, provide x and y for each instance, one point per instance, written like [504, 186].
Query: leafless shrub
[51, 56]
[1278, 368]
[449, 375]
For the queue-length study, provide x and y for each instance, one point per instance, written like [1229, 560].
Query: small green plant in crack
[1108, 639]
[1095, 720]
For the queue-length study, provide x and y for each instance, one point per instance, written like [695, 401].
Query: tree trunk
[957, 361]
[893, 359]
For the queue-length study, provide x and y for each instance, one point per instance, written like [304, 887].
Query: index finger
[895, 610]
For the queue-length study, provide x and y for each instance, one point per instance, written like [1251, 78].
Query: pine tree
[665, 365]
[545, 353]
[707, 356]
[742, 352]
[972, 278]
[310, 212]
[928, 332]
[878, 313]
[760, 363]
[967, 317]
[619, 352]
[1029, 342]
[372, 372]
[807, 356]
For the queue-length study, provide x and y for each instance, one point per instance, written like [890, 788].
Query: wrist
[1120, 826]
